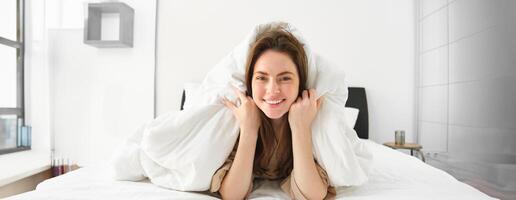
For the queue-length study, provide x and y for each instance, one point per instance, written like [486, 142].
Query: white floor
[495, 179]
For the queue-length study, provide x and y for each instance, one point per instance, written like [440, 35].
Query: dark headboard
[356, 99]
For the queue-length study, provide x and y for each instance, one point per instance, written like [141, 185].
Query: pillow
[351, 116]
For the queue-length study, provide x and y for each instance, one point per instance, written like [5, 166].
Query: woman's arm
[305, 173]
[238, 180]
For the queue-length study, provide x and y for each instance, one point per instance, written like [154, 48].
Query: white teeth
[274, 102]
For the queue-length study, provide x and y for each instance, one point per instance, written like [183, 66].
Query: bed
[393, 175]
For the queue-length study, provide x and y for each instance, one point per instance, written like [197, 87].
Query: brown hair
[281, 40]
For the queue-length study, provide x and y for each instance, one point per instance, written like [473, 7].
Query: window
[13, 134]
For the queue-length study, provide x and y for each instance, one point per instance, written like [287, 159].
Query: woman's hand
[303, 111]
[239, 178]
[247, 114]
[301, 115]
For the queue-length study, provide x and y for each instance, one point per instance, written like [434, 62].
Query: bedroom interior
[440, 70]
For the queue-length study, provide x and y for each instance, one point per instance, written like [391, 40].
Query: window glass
[8, 129]
[8, 19]
[8, 76]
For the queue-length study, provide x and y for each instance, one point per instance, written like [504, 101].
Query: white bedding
[393, 175]
[181, 150]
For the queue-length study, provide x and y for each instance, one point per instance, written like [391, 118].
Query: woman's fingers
[319, 102]
[305, 94]
[312, 95]
[240, 94]
[309, 95]
[229, 104]
[249, 98]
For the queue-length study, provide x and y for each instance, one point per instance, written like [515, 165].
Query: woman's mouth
[274, 103]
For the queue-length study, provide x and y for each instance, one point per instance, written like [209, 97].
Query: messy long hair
[281, 40]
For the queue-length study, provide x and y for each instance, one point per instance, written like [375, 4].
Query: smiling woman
[275, 119]
[275, 85]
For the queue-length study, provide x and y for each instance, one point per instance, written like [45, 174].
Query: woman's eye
[260, 78]
[285, 79]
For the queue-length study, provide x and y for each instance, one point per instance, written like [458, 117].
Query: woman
[275, 118]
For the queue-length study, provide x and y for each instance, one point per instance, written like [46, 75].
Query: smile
[274, 102]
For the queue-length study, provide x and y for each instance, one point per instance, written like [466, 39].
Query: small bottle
[56, 168]
[402, 137]
[53, 167]
[399, 137]
[61, 167]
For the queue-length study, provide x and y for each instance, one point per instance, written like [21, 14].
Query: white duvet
[393, 175]
[182, 150]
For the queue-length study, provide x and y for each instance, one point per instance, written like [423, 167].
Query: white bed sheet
[393, 175]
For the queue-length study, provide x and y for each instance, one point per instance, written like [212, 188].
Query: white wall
[373, 40]
[37, 76]
[467, 91]
[98, 95]
[468, 75]
[433, 89]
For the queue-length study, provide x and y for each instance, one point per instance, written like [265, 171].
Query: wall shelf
[93, 25]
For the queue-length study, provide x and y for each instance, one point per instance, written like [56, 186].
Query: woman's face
[275, 83]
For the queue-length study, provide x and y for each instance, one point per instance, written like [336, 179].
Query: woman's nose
[273, 87]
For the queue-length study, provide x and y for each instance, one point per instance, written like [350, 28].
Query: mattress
[393, 175]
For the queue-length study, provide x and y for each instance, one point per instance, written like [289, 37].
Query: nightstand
[410, 146]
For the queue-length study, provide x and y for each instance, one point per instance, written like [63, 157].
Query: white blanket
[393, 175]
[182, 150]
